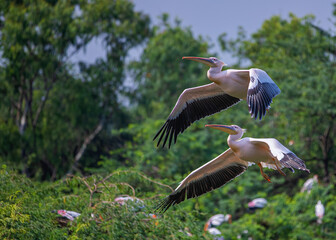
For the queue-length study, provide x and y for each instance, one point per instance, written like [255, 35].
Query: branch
[141, 175]
[95, 186]
[324, 142]
[40, 107]
[47, 89]
[23, 119]
[90, 190]
[320, 30]
[86, 142]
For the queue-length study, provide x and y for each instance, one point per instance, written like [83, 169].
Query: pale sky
[214, 17]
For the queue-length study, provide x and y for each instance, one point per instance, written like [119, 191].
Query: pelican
[217, 220]
[309, 184]
[257, 203]
[227, 89]
[242, 152]
[70, 215]
[319, 211]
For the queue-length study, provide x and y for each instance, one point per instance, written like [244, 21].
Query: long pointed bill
[206, 61]
[224, 128]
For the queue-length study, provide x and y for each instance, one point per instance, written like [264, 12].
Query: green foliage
[53, 108]
[276, 220]
[26, 209]
[300, 58]
[58, 117]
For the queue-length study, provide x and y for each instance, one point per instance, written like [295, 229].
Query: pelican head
[211, 62]
[230, 129]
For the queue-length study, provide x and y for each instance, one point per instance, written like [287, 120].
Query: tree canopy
[52, 109]
[75, 135]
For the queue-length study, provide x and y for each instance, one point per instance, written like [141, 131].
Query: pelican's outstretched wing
[211, 175]
[285, 156]
[192, 105]
[261, 91]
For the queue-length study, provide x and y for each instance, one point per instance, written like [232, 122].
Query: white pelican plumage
[217, 220]
[309, 184]
[228, 88]
[257, 203]
[242, 152]
[319, 211]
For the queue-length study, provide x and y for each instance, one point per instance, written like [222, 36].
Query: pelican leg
[278, 168]
[263, 174]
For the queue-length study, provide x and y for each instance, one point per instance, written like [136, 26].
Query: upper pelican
[265, 152]
[227, 89]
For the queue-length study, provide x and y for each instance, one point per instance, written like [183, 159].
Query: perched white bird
[228, 88]
[319, 211]
[265, 152]
[70, 215]
[257, 203]
[122, 200]
[308, 185]
[215, 232]
[217, 220]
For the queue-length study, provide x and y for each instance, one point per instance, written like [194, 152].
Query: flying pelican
[243, 152]
[228, 88]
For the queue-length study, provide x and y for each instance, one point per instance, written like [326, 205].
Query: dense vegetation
[75, 135]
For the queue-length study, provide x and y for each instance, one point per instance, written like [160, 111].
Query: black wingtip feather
[203, 185]
[163, 129]
[192, 112]
[260, 98]
[167, 134]
[157, 134]
[290, 160]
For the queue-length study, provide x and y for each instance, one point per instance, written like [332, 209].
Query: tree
[43, 95]
[160, 77]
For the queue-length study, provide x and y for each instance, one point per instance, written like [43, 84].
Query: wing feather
[261, 90]
[192, 105]
[285, 156]
[208, 177]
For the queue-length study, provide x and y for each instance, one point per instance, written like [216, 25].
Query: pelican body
[257, 203]
[217, 220]
[243, 152]
[231, 81]
[227, 89]
[319, 211]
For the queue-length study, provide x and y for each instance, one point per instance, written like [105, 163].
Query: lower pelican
[243, 152]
